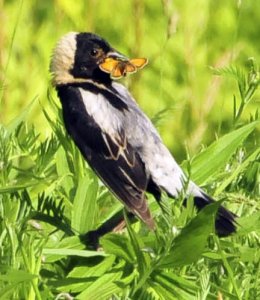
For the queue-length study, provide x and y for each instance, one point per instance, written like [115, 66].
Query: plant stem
[228, 268]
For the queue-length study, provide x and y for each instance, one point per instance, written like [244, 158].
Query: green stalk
[27, 265]
[228, 268]
[10, 50]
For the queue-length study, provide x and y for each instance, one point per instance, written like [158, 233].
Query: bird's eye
[94, 52]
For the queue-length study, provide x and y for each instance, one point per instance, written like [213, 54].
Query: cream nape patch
[63, 59]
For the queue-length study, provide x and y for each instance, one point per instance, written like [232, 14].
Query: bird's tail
[225, 223]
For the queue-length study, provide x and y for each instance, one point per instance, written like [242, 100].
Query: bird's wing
[111, 156]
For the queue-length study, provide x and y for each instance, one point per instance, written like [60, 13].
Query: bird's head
[77, 57]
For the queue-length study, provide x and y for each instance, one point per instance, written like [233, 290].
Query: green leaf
[5, 293]
[249, 224]
[82, 277]
[22, 186]
[102, 288]
[237, 171]
[72, 252]
[174, 285]
[17, 276]
[232, 71]
[143, 259]
[63, 170]
[93, 271]
[84, 208]
[72, 242]
[21, 117]
[207, 163]
[118, 245]
[190, 244]
[248, 254]
[217, 256]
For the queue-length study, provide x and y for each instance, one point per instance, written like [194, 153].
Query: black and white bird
[113, 134]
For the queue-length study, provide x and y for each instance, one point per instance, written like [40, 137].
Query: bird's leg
[115, 224]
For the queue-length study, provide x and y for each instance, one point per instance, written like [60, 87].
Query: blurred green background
[181, 39]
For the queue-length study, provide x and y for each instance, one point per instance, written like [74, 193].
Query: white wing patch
[104, 114]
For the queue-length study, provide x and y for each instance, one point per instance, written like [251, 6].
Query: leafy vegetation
[49, 197]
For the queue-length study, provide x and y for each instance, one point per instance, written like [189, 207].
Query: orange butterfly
[119, 68]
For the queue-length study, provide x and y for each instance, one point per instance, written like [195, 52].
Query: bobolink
[113, 134]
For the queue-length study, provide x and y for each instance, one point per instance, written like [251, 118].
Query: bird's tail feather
[225, 223]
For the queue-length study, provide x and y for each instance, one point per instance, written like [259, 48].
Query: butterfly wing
[129, 67]
[138, 62]
[108, 65]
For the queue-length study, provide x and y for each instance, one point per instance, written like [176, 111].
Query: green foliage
[246, 85]
[219, 153]
[48, 195]
[191, 242]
